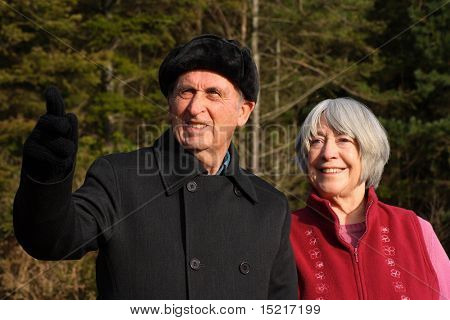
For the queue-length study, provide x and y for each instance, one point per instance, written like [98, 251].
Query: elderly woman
[348, 244]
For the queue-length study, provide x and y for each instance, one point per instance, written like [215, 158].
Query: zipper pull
[356, 254]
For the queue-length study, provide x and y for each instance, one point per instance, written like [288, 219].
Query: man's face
[205, 109]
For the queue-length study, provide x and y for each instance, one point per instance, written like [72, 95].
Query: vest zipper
[355, 253]
[358, 277]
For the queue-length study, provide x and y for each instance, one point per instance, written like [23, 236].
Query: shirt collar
[225, 163]
[176, 166]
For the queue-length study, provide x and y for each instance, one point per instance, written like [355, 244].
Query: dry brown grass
[23, 277]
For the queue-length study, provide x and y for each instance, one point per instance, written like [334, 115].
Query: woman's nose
[330, 150]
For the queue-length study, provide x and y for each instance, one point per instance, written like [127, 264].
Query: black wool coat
[163, 228]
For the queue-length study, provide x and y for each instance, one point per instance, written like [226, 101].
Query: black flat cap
[209, 52]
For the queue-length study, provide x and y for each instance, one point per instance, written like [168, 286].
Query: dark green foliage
[416, 176]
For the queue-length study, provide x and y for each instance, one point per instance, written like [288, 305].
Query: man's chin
[194, 146]
[194, 142]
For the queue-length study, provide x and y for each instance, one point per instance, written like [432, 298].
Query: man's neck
[211, 161]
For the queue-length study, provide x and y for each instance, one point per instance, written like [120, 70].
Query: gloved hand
[49, 152]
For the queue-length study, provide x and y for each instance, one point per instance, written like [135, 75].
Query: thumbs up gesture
[49, 152]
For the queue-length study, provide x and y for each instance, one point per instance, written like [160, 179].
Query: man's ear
[245, 109]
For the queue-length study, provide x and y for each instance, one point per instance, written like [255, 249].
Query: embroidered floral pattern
[390, 262]
[320, 287]
[395, 273]
[319, 265]
[319, 275]
[389, 252]
[314, 253]
[313, 241]
[398, 286]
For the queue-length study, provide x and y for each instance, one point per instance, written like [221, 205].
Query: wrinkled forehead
[203, 79]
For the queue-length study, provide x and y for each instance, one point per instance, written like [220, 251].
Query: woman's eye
[315, 141]
[345, 139]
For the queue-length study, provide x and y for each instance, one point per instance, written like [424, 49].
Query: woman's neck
[350, 208]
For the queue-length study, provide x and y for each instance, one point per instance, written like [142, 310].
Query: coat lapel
[239, 176]
[177, 166]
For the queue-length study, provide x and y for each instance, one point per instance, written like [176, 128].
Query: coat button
[195, 264]
[191, 186]
[244, 268]
[237, 191]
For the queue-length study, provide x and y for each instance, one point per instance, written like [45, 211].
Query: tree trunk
[242, 137]
[244, 22]
[255, 117]
[141, 81]
[107, 77]
[277, 74]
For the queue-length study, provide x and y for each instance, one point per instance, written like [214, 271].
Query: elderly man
[178, 220]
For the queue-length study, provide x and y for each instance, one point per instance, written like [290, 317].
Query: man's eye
[214, 93]
[186, 93]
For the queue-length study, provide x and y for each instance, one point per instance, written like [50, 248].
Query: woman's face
[334, 163]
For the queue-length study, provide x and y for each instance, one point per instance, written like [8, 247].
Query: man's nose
[197, 104]
[330, 150]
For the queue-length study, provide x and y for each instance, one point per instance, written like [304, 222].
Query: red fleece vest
[390, 261]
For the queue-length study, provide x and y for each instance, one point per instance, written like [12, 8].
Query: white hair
[350, 117]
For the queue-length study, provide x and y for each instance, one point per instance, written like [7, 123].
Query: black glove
[49, 152]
